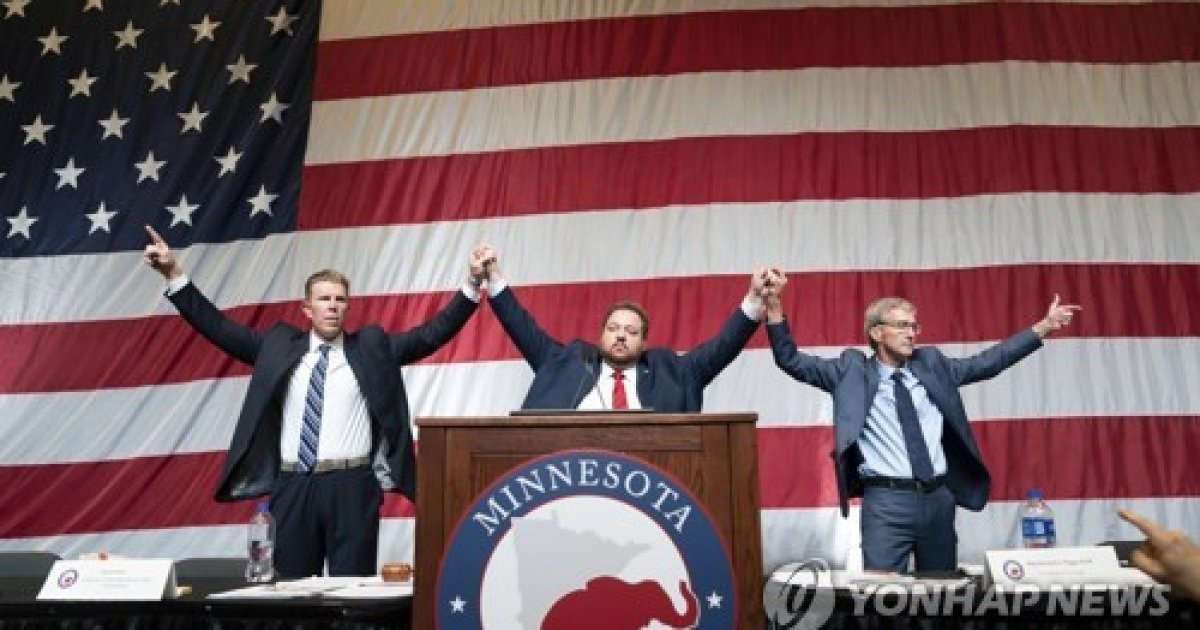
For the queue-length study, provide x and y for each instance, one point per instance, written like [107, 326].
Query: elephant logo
[586, 539]
[609, 603]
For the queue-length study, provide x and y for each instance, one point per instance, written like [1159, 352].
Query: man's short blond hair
[326, 275]
[877, 312]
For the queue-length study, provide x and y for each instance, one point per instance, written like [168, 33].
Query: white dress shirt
[600, 398]
[345, 422]
[882, 440]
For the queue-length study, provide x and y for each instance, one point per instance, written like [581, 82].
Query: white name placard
[1054, 565]
[110, 580]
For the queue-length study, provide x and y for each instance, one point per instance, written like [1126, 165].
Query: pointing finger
[1153, 532]
[158, 240]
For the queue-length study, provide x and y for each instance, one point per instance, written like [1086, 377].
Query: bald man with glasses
[902, 440]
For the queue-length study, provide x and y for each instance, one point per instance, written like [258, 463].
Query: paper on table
[320, 583]
[910, 582]
[261, 591]
[1119, 578]
[851, 579]
[335, 587]
[373, 590]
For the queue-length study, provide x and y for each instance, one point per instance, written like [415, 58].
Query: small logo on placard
[1014, 570]
[586, 539]
[68, 578]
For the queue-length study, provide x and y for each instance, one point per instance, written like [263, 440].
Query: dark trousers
[897, 523]
[330, 516]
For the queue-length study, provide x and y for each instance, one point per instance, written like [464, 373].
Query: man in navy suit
[619, 372]
[901, 436]
[324, 429]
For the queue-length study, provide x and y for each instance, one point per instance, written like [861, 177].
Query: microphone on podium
[590, 356]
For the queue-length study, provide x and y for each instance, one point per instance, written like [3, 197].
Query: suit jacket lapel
[939, 395]
[933, 387]
[354, 358]
[295, 352]
[589, 358]
[645, 383]
[872, 389]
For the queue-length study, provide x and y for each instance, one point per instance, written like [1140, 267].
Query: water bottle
[1037, 522]
[260, 539]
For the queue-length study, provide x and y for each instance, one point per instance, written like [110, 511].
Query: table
[20, 609]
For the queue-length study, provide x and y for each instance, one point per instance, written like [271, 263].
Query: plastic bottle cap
[1034, 494]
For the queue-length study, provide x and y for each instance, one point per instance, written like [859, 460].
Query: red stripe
[816, 166]
[756, 40]
[139, 493]
[959, 306]
[1115, 457]
[1110, 457]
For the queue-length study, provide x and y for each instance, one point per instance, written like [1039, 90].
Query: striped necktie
[311, 431]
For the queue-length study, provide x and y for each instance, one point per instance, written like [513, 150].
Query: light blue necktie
[311, 431]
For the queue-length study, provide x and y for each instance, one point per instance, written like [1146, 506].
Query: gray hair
[877, 313]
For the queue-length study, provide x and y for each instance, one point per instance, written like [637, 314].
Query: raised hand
[759, 280]
[159, 257]
[483, 264]
[1168, 556]
[775, 283]
[1058, 316]
[765, 286]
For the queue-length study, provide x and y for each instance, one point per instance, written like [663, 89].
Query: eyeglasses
[632, 331]
[913, 326]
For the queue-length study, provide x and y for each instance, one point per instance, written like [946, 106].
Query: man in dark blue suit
[619, 372]
[324, 429]
[902, 440]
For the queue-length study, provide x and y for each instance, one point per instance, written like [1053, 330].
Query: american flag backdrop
[975, 157]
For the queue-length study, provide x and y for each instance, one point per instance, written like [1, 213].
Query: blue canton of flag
[189, 116]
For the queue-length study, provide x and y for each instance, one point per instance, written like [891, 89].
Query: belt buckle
[329, 465]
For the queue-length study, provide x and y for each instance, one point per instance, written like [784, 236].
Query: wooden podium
[714, 455]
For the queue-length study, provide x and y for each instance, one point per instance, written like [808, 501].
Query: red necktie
[618, 397]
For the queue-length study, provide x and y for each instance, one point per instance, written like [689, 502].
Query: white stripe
[812, 236]
[762, 102]
[1068, 378]
[119, 286]
[789, 535]
[342, 19]
[795, 535]
[1077, 522]
[115, 424]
